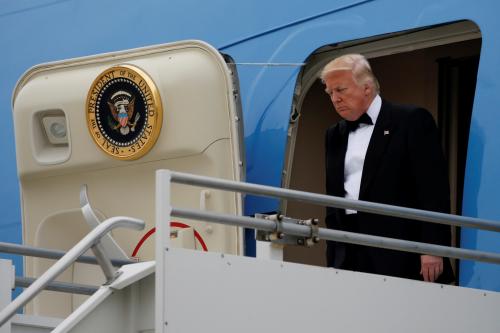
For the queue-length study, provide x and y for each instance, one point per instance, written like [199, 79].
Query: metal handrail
[31, 251]
[91, 239]
[64, 287]
[337, 235]
[331, 201]
[106, 245]
[337, 202]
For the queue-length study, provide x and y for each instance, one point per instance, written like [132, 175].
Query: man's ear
[368, 89]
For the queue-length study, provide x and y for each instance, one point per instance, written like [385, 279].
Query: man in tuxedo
[385, 153]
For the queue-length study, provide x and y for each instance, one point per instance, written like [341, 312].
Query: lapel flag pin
[386, 132]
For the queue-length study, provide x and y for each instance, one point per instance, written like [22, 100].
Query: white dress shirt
[357, 146]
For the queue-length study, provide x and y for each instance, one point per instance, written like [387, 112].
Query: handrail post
[109, 271]
[163, 214]
[6, 286]
[69, 258]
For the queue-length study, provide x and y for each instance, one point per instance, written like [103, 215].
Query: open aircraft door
[109, 121]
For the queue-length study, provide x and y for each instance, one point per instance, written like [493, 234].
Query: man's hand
[431, 267]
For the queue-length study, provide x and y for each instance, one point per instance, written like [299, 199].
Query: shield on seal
[123, 118]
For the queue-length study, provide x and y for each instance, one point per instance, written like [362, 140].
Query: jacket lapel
[376, 148]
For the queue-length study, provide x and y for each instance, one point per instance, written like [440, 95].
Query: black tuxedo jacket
[404, 166]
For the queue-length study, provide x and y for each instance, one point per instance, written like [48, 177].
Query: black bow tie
[364, 119]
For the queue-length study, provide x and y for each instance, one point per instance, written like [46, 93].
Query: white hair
[359, 67]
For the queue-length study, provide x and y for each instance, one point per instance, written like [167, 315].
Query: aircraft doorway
[440, 77]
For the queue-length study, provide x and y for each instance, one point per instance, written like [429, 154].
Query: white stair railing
[92, 240]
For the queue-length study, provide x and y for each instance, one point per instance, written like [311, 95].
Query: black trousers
[368, 259]
[356, 256]
[376, 260]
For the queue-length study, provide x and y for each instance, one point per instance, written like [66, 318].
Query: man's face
[349, 99]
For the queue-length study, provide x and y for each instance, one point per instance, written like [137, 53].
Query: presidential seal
[124, 112]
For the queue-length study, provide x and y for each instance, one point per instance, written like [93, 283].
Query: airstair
[186, 290]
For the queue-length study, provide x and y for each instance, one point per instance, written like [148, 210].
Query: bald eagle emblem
[121, 105]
